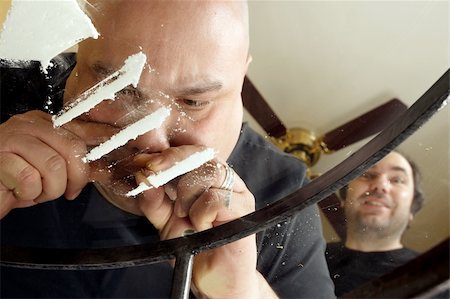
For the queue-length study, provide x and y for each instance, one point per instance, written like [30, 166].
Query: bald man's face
[197, 54]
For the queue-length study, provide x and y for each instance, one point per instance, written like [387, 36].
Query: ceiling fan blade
[364, 126]
[331, 208]
[257, 106]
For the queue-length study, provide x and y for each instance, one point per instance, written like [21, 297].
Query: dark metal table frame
[183, 249]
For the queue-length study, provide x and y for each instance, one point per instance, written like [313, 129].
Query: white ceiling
[321, 63]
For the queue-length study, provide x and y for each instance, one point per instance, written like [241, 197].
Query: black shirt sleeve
[290, 254]
[292, 257]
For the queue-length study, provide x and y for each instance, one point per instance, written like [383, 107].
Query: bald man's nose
[153, 141]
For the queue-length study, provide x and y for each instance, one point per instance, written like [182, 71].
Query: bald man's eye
[129, 92]
[194, 104]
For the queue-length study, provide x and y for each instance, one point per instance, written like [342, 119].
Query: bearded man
[379, 206]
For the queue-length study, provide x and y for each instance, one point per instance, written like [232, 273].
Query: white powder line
[181, 167]
[132, 131]
[105, 89]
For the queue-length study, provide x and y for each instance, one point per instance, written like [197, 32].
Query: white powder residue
[134, 130]
[184, 166]
[105, 89]
[40, 30]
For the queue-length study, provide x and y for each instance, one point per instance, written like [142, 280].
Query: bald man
[197, 57]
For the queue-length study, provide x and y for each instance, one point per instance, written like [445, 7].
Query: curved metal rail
[110, 258]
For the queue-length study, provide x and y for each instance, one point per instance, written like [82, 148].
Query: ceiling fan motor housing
[301, 143]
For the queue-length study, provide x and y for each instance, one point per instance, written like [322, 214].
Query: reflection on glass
[337, 60]
[342, 59]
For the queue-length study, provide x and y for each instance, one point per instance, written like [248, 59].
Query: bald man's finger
[211, 209]
[40, 124]
[91, 133]
[9, 202]
[18, 176]
[35, 127]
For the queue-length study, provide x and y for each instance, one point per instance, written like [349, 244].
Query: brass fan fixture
[303, 144]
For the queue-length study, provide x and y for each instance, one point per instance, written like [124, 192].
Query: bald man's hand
[39, 163]
[197, 201]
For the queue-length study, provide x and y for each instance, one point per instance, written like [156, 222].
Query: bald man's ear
[247, 63]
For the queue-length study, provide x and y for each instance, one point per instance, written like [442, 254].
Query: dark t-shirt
[350, 268]
[290, 254]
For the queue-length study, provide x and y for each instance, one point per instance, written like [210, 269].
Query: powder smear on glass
[40, 30]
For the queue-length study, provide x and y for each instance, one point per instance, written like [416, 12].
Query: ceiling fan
[306, 146]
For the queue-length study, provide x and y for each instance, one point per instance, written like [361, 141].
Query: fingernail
[188, 232]
[73, 195]
[141, 178]
[153, 164]
[171, 191]
[146, 172]
[179, 211]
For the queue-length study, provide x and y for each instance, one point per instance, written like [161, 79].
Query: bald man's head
[170, 30]
[110, 12]
[197, 55]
